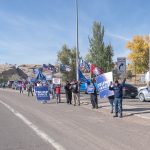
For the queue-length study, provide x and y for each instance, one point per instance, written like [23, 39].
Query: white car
[143, 94]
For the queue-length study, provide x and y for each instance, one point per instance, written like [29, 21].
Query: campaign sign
[90, 89]
[42, 93]
[103, 82]
[56, 80]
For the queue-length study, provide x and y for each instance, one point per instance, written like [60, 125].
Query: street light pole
[77, 43]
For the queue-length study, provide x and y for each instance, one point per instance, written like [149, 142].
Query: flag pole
[77, 43]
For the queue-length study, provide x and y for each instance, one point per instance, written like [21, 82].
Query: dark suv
[130, 91]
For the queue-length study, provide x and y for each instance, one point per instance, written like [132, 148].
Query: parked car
[143, 94]
[130, 91]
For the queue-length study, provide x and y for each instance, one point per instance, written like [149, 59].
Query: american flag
[66, 68]
[84, 65]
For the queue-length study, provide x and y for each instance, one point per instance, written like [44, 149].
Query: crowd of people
[72, 92]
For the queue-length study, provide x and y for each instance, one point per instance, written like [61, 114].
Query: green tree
[67, 56]
[99, 53]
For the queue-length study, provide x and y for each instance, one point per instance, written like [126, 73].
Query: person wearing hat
[118, 94]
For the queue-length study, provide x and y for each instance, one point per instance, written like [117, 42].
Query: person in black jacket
[117, 88]
[94, 100]
[75, 92]
[68, 91]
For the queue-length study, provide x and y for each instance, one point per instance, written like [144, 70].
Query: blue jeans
[118, 105]
[111, 101]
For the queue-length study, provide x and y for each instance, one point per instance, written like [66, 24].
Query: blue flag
[35, 71]
[65, 68]
[82, 78]
[40, 76]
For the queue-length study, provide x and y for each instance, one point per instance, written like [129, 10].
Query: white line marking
[40, 133]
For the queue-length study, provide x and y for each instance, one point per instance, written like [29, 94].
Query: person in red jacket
[57, 91]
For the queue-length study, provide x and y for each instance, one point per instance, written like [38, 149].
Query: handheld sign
[42, 93]
[90, 89]
[56, 80]
[103, 82]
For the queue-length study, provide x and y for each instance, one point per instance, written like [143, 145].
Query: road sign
[121, 65]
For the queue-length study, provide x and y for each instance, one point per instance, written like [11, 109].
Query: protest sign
[90, 89]
[42, 93]
[56, 80]
[103, 82]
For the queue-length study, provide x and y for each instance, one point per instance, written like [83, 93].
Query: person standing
[20, 88]
[111, 100]
[75, 92]
[58, 94]
[51, 89]
[67, 91]
[94, 100]
[29, 89]
[118, 94]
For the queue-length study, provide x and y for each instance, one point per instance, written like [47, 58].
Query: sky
[33, 31]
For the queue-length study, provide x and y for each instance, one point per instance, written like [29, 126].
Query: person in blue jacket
[118, 94]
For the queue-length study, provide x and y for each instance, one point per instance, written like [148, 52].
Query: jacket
[118, 90]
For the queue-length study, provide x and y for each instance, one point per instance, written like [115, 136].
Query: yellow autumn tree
[138, 57]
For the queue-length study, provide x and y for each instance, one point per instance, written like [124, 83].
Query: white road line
[39, 132]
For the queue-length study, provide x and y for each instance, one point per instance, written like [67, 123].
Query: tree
[129, 74]
[139, 54]
[67, 56]
[99, 53]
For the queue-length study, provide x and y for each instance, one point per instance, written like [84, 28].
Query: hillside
[12, 72]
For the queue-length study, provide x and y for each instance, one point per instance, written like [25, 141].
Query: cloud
[120, 37]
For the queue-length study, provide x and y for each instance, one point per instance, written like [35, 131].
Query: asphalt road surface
[26, 124]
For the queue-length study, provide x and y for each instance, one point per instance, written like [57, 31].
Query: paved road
[26, 124]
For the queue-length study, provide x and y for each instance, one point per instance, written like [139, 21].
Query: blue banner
[42, 93]
[103, 82]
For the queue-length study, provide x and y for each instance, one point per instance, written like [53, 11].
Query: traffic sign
[121, 65]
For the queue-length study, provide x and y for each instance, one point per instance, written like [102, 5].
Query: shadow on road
[137, 111]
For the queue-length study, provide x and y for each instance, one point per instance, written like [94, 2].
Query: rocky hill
[12, 72]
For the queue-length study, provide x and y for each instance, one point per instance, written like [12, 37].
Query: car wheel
[141, 97]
